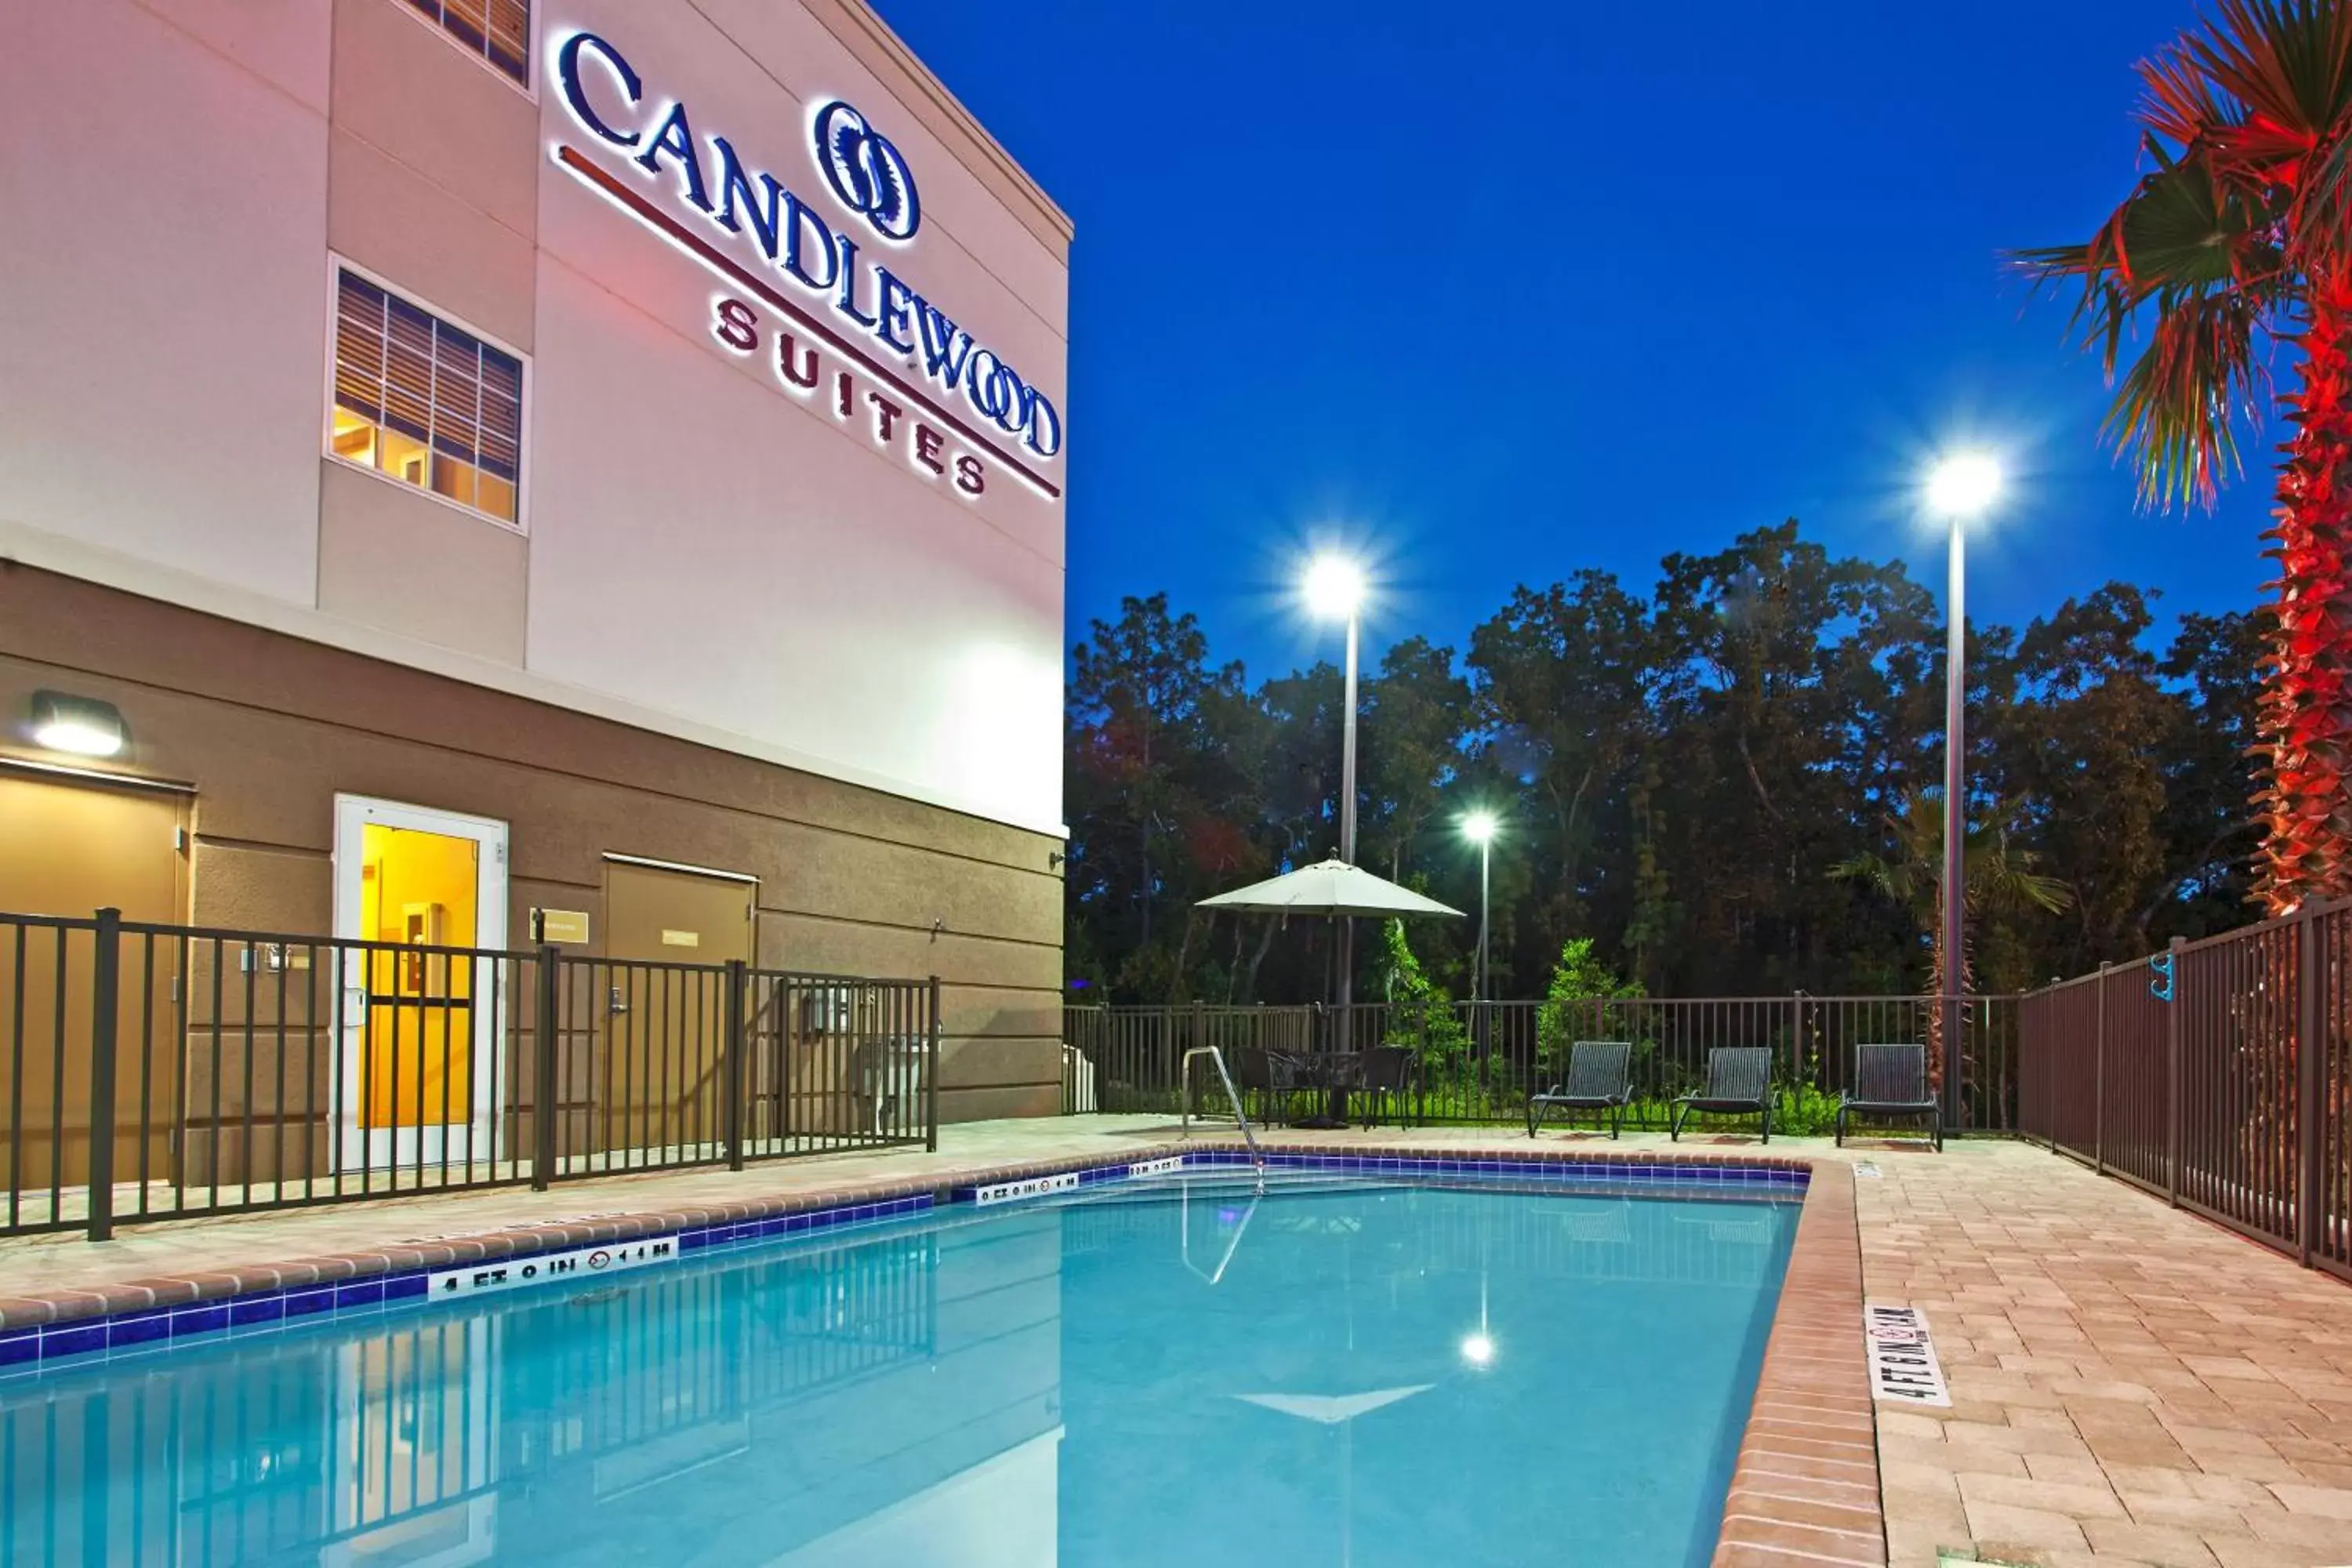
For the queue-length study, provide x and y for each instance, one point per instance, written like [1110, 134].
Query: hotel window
[427, 402]
[497, 30]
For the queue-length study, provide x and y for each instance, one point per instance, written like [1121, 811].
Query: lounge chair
[1387, 1074]
[1739, 1080]
[1600, 1078]
[1891, 1080]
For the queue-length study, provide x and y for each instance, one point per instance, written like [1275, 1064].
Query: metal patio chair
[1600, 1078]
[1891, 1080]
[1739, 1080]
[1386, 1074]
[1271, 1076]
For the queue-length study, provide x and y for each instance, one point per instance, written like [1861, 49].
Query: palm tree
[2237, 240]
[1996, 878]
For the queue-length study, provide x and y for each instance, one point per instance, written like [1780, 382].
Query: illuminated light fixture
[1964, 485]
[1335, 587]
[1478, 1349]
[81, 725]
[1479, 826]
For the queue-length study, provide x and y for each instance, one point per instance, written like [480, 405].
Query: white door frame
[357, 1147]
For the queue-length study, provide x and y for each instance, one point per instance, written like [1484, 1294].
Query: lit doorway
[420, 1048]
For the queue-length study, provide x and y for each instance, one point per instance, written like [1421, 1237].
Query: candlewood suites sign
[875, 350]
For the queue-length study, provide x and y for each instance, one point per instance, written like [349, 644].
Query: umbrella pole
[1335, 1097]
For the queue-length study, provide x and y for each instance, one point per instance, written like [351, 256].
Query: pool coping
[1805, 1486]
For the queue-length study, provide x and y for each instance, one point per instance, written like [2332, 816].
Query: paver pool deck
[2130, 1385]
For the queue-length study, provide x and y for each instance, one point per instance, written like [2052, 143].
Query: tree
[1416, 713]
[1997, 878]
[2240, 237]
[1577, 980]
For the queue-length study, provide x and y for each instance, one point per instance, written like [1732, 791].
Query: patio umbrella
[1333, 888]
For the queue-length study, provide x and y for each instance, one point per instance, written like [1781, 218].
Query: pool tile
[199, 1320]
[404, 1288]
[266, 1308]
[137, 1327]
[72, 1338]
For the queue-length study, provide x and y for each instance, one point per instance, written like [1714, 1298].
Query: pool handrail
[1241, 1117]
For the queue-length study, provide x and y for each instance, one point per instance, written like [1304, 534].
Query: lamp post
[1479, 828]
[1959, 490]
[1335, 590]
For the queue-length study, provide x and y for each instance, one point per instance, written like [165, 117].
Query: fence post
[2099, 1081]
[932, 1077]
[736, 1050]
[2172, 1081]
[543, 1088]
[2311, 1023]
[1796, 1042]
[105, 974]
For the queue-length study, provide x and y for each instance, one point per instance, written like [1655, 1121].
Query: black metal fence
[2216, 1075]
[158, 1071]
[1479, 1061]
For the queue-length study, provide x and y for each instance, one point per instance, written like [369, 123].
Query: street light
[1335, 590]
[1479, 828]
[1961, 489]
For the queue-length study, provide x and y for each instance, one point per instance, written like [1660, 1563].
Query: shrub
[1578, 981]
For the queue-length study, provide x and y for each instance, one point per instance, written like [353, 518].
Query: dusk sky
[1500, 294]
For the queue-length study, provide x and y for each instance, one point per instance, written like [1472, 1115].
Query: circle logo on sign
[867, 171]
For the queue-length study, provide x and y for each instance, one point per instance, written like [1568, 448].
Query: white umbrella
[1332, 888]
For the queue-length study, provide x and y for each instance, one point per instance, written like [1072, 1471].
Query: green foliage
[1578, 981]
[1679, 769]
[1424, 1018]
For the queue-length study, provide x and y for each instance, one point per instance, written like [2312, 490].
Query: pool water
[1338, 1371]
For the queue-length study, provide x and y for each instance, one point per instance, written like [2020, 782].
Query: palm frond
[2176, 408]
[2199, 261]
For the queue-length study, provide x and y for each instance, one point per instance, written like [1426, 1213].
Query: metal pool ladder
[1232, 1097]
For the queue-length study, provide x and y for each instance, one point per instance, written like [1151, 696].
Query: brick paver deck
[2130, 1385]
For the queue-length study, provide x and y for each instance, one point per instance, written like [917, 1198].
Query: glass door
[418, 1069]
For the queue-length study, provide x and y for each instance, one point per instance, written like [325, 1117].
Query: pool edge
[1805, 1487]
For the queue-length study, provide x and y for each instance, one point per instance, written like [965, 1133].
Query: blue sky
[1500, 293]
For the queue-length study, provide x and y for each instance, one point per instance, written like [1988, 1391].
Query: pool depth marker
[1903, 1366]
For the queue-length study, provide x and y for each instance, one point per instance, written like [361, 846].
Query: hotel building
[463, 461]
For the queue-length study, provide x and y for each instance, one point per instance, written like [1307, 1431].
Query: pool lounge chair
[1891, 1080]
[1739, 1080]
[1599, 1075]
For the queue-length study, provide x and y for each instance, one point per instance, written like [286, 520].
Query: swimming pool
[1344, 1370]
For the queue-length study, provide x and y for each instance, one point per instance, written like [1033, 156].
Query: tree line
[1728, 784]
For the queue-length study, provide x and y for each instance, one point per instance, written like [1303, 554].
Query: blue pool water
[1342, 1372]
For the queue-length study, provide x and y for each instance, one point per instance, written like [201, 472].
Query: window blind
[497, 30]
[407, 369]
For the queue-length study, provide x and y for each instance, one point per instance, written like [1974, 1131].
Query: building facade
[462, 459]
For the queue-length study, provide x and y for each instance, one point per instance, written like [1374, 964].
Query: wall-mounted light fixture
[81, 725]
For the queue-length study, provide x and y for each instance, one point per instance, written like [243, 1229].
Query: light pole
[1479, 828]
[1959, 490]
[1335, 590]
